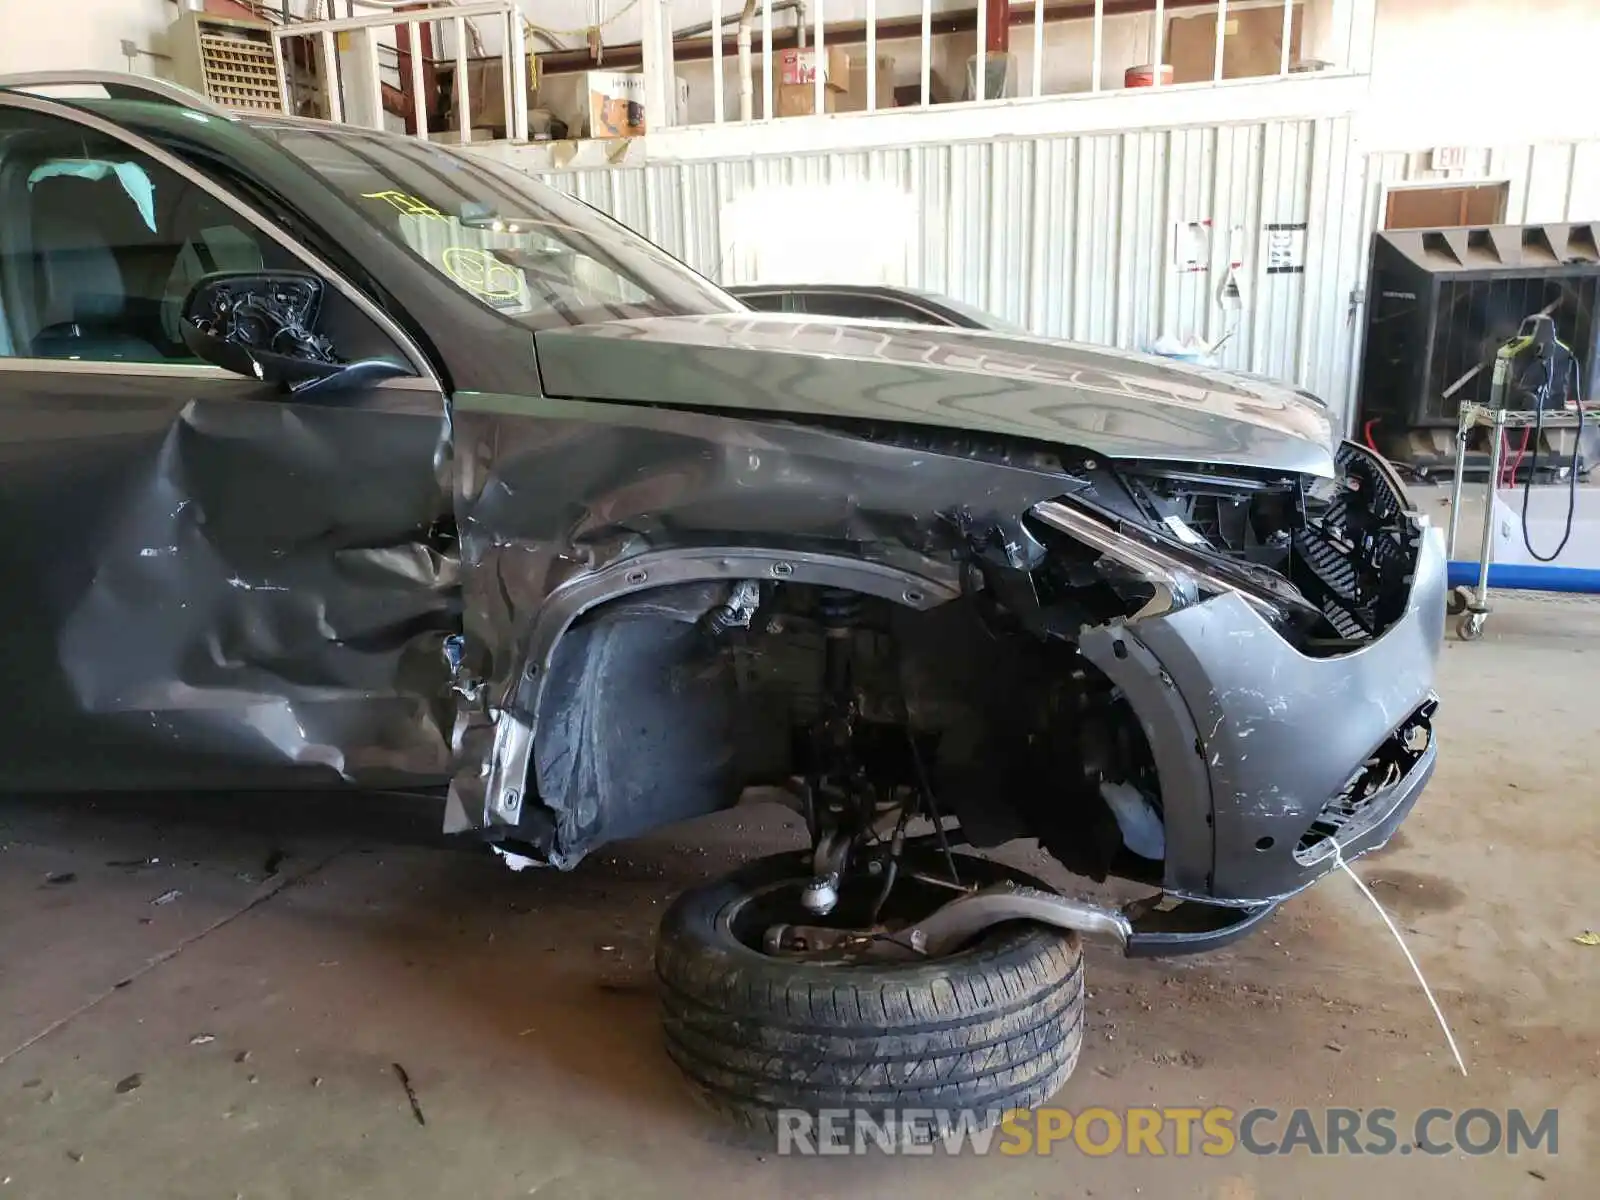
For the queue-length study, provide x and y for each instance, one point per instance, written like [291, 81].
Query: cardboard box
[1252, 43]
[800, 99]
[486, 94]
[796, 67]
[855, 96]
[604, 104]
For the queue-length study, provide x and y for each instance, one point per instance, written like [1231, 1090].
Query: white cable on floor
[1338, 858]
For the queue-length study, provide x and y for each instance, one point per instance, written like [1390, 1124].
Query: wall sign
[1191, 247]
[1283, 248]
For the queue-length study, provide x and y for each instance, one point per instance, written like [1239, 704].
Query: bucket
[1145, 76]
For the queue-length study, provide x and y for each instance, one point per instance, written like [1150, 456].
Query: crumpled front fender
[565, 506]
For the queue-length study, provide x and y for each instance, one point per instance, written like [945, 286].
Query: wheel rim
[750, 917]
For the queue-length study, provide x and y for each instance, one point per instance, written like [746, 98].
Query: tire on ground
[995, 1027]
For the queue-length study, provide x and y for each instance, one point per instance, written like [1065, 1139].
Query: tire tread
[994, 1028]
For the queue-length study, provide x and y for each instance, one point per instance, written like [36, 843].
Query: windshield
[516, 246]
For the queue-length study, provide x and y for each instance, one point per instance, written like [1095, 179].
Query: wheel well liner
[513, 755]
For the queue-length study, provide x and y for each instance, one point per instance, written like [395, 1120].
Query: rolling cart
[1470, 582]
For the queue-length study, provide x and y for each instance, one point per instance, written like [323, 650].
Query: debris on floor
[411, 1092]
[517, 862]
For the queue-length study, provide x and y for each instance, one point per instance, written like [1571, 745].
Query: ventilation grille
[239, 72]
[1476, 317]
[1443, 301]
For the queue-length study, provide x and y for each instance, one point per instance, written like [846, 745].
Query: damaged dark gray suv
[333, 456]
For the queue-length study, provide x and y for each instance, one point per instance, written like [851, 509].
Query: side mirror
[260, 324]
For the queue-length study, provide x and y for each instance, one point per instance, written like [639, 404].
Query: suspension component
[840, 610]
[738, 611]
[838, 786]
[821, 892]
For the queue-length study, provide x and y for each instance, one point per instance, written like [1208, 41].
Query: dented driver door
[208, 582]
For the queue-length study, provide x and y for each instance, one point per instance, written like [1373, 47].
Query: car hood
[1113, 403]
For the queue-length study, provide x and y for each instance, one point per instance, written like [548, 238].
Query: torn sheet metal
[213, 586]
[564, 505]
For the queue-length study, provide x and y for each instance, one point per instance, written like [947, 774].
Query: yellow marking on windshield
[480, 272]
[406, 203]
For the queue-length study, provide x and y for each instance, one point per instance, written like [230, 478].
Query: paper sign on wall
[1191, 246]
[1283, 248]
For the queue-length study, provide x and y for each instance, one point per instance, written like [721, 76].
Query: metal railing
[1020, 50]
[1054, 60]
[349, 73]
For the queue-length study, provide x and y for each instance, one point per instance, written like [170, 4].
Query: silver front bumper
[1252, 739]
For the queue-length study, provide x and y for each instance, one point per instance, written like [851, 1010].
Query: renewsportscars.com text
[1171, 1131]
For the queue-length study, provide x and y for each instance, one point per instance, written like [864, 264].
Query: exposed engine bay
[1332, 557]
[980, 720]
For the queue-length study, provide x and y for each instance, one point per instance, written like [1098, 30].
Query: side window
[866, 308]
[99, 245]
[766, 301]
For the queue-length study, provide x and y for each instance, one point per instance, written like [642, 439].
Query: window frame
[1465, 183]
[426, 375]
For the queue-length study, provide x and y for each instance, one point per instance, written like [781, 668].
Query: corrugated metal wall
[1072, 236]
[1556, 181]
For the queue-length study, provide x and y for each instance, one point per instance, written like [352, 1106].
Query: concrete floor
[240, 1038]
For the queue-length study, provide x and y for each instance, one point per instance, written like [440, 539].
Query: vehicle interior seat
[81, 290]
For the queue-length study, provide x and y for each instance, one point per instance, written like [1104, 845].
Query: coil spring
[840, 608]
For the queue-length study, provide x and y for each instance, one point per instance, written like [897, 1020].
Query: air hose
[1533, 464]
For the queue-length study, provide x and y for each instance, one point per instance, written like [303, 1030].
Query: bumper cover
[1198, 925]
[1253, 740]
